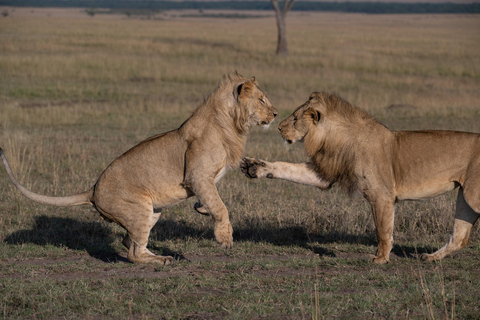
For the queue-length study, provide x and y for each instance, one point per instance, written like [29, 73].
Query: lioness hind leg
[465, 218]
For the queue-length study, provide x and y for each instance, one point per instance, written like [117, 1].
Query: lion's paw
[380, 260]
[253, 168]
[167, 260]
[224, 235]
[427, 257]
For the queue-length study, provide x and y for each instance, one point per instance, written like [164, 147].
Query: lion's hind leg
[138, 219]
[137, 238]
[465, 218]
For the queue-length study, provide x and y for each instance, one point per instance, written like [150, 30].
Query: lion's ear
[238, 91]
[245, 87]
[314, 96]
[315, 115]
[254, 81]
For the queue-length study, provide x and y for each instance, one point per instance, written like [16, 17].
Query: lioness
[346, 145]
[173, 166]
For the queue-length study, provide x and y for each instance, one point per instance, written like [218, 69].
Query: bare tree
[281, 14]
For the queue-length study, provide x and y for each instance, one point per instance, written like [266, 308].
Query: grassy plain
[77, 91]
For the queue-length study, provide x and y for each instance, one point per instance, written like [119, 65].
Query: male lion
[346, 145]
[173, 166]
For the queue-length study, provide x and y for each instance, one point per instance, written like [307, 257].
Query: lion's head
[329, 126]
[255, 108]
[302, 121]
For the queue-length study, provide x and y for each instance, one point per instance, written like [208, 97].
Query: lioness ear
[254, 81]
[313, 114]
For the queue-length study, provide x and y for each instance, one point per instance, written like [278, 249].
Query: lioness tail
[81, 198]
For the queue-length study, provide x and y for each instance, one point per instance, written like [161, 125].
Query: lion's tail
[77, 199]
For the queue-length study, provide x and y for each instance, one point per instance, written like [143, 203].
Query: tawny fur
[347, 146]
[170, 167]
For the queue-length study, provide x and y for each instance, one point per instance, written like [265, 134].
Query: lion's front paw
[253, 168]
[380, 260]
[224, 235]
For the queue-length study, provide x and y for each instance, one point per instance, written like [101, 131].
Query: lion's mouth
[265, 123]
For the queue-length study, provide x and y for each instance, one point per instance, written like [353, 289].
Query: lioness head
[255, 106]
[306, 117]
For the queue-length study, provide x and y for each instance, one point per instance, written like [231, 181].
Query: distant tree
[281, 15]
[90, 12]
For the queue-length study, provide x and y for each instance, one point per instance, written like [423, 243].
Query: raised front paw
[224, 235]
[253, 168]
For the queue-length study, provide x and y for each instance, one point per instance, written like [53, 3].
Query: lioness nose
[275, 113]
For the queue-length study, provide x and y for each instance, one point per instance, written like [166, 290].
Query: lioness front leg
[294, 172]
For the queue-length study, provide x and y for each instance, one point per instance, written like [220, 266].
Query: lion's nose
[275, 113]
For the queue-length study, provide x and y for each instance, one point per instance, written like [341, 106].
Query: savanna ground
[77, 91]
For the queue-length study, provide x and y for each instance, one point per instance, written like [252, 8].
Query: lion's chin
[265, 125]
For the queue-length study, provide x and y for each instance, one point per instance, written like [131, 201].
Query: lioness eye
[262, 100]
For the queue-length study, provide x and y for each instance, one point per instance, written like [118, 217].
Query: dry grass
[77, 91]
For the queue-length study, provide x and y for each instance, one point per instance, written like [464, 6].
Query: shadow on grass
[96, 238]
[254, 231]
[93, 237]
[168, 229]
[410, 252]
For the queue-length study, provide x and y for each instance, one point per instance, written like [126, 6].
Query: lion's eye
[262, 101]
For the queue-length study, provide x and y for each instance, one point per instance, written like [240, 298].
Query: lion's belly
[173, 195]
[424, 190]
